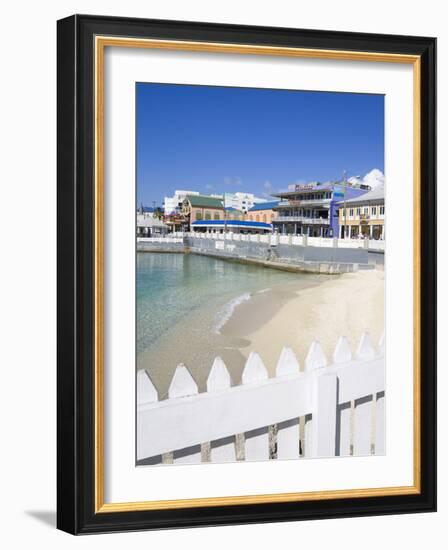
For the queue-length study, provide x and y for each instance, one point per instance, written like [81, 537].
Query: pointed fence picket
[146, 395]
[343, 354]
[315, 359]
[256, 441]
[322, 411]
[363, 419]
[288, 432]
[221, 450]
[183, 385]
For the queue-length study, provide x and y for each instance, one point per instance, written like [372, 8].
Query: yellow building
[363, 216]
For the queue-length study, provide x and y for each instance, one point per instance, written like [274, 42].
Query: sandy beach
[293, 314]
[346, 305]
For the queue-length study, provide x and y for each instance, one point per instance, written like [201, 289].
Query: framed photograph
[246, 274]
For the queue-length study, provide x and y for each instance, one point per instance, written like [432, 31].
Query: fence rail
[272, 239]
[322, 411]
[167, 239]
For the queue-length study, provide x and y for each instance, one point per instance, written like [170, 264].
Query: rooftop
[148, 220]
[318, 187]
[264, 206]
[373, 195]
[205, 201]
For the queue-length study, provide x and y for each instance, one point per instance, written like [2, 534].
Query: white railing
[303, 219]
[322, 411]
[273, 239]
[165, 240]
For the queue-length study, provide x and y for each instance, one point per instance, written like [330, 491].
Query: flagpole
[345, 205]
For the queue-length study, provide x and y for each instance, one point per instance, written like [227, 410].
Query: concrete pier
[313, 259]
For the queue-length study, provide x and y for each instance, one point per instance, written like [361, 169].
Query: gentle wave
[263, 290]
[227, 311]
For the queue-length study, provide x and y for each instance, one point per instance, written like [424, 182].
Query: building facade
[202, 208]
[150, 226]
[363, 217]
[241, 201]
[173, 205]
[235, 214]
[263, 212]
[313, 209]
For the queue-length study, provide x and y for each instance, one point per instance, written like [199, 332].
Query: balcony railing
[302, 219]
[304, 202]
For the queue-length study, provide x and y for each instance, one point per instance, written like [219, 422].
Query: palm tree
[158, 213]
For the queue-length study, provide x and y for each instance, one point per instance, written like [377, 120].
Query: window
[351, 212]
[208, 216]
[358, 211]
[216, 216]
[257, 218]
[198, 215]
[264, 218]
[373, 210]
[366, 209]
[382, 210]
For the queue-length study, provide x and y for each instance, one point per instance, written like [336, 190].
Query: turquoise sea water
[170, 287]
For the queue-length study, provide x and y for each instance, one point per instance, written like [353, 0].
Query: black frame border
[76, 263]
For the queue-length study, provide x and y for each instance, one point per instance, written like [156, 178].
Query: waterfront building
[234, 213]
[149, 225]
[173, 205]
[230, 226]
[241, 201]
[263, 212]
[313, 209]
[363, 216]
[202, 207]
[176, 222]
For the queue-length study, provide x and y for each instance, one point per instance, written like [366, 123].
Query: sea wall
[164, 245]
[283, 256]
[280, 256]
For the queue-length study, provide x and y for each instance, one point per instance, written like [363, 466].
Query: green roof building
[204, 201]
[202, 207]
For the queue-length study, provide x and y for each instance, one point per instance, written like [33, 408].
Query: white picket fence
[322, 411]
[273, 239]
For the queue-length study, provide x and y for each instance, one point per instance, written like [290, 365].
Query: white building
[174, 204]
[149, 226]
[241, 201]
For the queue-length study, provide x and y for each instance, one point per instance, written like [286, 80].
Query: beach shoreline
[348, 305]
[291, 314]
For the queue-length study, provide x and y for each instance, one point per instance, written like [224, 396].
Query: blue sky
[216, 139]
